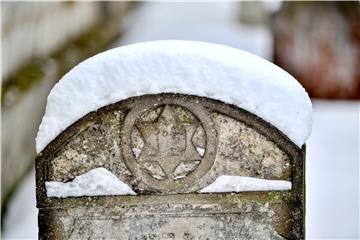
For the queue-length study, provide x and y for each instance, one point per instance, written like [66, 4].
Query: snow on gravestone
[173, 140]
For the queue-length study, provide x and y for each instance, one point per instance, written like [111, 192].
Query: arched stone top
[171, 143]
[196, 68]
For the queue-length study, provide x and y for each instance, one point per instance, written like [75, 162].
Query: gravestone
[171, 166]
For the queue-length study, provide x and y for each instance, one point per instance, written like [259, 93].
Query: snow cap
[187, 67]
[96, 182]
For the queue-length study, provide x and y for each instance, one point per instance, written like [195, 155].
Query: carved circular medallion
[169, 145]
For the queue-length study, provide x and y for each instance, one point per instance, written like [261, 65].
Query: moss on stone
[98, 38]
[25, 78]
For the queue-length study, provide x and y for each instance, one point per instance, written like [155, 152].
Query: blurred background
[317, 42]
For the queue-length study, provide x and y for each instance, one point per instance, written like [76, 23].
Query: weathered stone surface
[207, 221]
[168, 147]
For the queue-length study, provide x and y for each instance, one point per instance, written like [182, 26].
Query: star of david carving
[168, 151]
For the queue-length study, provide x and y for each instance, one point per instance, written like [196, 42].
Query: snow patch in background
[195, 68]
[96, 182]
[227, 183]
[20, 219]
[211, 22]
[332, 171]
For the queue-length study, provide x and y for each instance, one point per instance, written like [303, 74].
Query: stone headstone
[168, 148]
[170, 166]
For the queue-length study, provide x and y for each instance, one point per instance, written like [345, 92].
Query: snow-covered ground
[332, 149]
[332, 167]
[20, 221]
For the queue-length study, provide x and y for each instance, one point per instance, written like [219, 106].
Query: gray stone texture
[167, 147]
